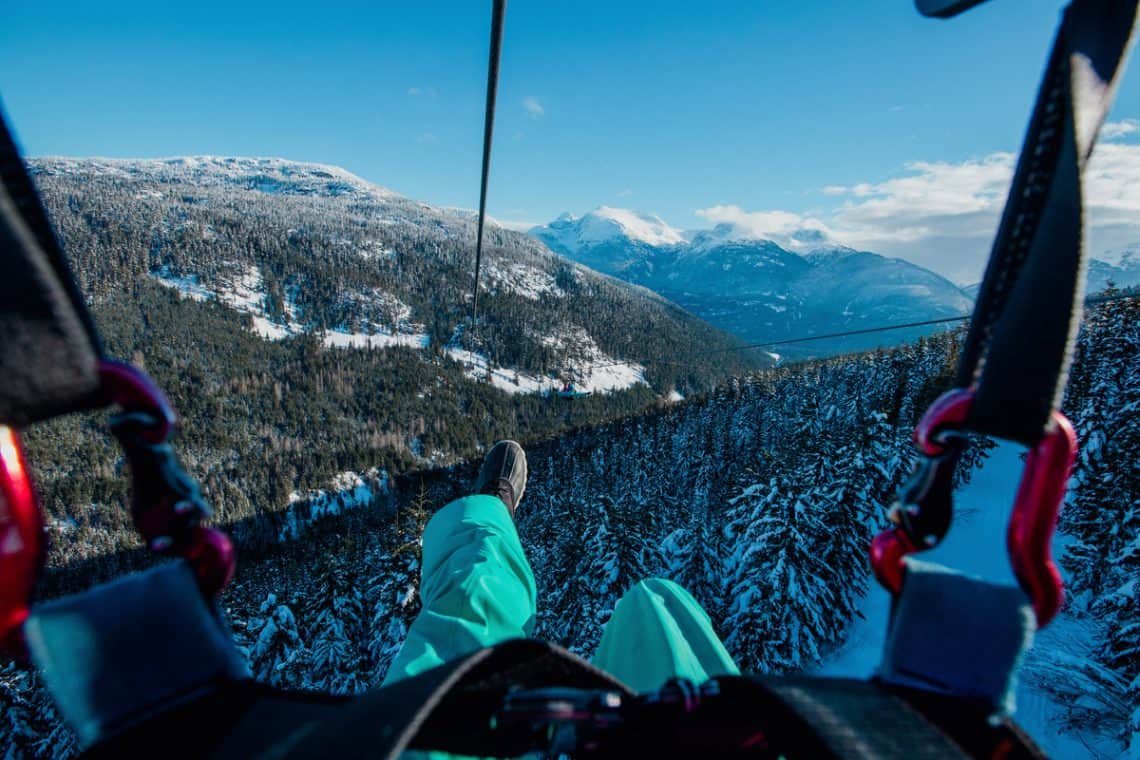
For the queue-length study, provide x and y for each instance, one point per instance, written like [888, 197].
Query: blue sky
[762, 114]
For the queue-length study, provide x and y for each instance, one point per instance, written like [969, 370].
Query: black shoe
[503, 473]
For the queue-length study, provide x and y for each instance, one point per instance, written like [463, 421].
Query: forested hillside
[305, 248]
[760, 498]
[312, 329]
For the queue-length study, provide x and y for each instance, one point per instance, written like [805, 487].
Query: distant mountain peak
[606, 222]
[604, 225]
[1123, 258]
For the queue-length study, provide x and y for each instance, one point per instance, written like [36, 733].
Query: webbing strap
[1021, 338]
[848, 719]
[48, 346]
[861, 720]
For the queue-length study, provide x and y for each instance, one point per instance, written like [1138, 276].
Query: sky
[891, 132]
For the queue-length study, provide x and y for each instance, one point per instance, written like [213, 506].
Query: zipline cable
[497, 13]
[808, 338]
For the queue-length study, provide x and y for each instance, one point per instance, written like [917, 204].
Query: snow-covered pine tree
[337, 655]
[278, 656]
[29, 724]
[393, 587]
[780, 595]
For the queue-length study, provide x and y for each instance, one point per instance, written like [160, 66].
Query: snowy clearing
[246, 293]
[508, 380]
[345, 339]
[348, 490]
[526, 281]
[614, 377]
[590, 369]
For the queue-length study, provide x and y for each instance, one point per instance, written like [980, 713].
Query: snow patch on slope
[604, 222]
[479, 367]
[526, 281]
[347, 491]
[591, 369]
[267, 175]
[1124, 258]
[245, 292]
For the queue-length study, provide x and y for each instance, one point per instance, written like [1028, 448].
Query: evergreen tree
[279, 656]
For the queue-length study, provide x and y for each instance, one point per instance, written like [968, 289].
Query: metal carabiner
[924, 510]
[925, 505]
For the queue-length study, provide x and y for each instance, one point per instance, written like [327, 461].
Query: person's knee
[650, 588]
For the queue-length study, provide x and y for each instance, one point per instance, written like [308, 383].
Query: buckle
[924, 509]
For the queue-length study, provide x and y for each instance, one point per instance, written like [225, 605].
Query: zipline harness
[132, 681]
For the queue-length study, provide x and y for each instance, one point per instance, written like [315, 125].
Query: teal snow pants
[478, 590]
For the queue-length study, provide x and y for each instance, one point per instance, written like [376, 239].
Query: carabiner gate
[924, 510]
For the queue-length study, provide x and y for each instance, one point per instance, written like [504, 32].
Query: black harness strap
[48, 345]
[451, 708]
[1019, 347]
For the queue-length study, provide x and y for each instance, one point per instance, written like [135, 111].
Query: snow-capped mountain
[1120, 267]
[266, 175]
[760, 289]
[605, 223]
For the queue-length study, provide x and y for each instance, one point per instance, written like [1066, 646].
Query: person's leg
[658, 631]
[476, 585]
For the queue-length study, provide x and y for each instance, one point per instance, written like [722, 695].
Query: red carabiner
[1032, 523]
[1040, 495]
[22, 547]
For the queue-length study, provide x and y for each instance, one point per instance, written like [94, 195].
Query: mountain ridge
[762, 290]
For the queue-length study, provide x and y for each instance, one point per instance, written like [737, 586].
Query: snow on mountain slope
[1119, 267]
[267, 175]
[800, 240]
[1061, 652]
[1123, 258]
[759, 289]
[246, 293]
[605, 224]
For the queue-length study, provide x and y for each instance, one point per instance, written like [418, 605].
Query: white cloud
[943, 215]
[427, 138]
[775, 225]
[533, 108]
[515, 224]
[625, 193]
[1113, 130]
[414, 91]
